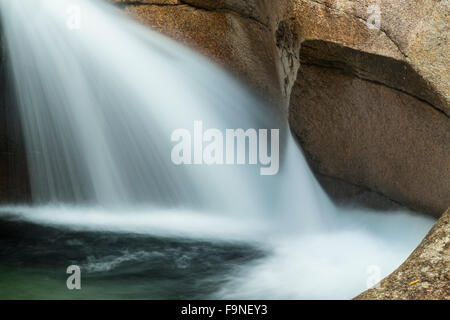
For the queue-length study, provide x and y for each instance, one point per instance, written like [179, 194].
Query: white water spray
[98, 104]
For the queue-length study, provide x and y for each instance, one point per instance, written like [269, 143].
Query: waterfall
[98, 104]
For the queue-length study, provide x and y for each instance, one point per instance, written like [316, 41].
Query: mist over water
[98, 106]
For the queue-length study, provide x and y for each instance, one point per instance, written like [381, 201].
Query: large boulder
[369, 105]
[371, 135]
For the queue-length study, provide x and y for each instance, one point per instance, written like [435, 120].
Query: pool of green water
[34, 259]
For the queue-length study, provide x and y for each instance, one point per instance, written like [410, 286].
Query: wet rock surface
[425, 274]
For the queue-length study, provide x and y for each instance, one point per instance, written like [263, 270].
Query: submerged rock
[425, 274]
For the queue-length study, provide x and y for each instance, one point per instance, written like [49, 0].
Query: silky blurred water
[98, 105]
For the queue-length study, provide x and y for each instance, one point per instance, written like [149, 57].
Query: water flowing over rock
[242, 35]
[370, 106]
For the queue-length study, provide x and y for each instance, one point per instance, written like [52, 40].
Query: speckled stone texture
[371, 106]
[425, 274]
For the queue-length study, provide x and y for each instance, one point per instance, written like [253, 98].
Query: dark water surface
[34, 259]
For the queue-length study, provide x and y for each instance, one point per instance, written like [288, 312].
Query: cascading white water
[98, 105]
